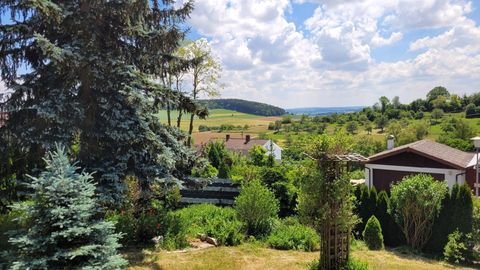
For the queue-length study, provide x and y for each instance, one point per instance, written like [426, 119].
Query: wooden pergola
[335, 241]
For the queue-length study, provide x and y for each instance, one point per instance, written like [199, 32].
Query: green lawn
[253, 257]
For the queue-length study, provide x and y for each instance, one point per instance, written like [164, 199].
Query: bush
[174, 232]
[352, 264]
[416, 202]
[456, 213]
[256, 206]
[290, 234]
[390, 230]
[219, 223]
[372, 235]
[459, 248]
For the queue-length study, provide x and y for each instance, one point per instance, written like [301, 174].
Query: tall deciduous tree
[89, 81]
[205, 73]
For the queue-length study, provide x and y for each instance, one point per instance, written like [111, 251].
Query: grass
[253, 256]
[218, 117]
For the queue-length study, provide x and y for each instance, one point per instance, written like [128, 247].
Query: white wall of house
[451, 175]
[277, 150]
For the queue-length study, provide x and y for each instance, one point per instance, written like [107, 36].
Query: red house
[442, 162]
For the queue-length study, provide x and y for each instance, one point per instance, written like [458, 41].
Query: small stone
[212, 241]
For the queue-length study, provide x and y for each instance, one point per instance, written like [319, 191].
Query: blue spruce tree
[65, 231]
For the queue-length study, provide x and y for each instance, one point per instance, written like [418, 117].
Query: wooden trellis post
[335, 238]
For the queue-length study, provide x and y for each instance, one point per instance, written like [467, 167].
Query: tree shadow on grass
[408, 253]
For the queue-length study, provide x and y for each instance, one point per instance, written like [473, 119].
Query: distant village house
[244, 144]
[442, 162]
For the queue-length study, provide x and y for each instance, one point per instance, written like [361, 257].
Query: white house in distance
[442, 162]
[243, 145]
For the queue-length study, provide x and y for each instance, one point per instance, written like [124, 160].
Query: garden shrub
[217, 222]
[365, 208]
[459, 248]
[456, 213]
[174, 231]
[476, 221]
[352, 264]
[416, 202]
[392, 236]
[372, 235]
[125, 224]
[290, 234]
[256, 206]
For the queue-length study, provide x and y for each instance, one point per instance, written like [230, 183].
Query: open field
[253, 257]
[223, 117]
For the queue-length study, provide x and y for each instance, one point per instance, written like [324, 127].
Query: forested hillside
[243, 106]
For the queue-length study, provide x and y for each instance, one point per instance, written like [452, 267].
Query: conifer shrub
[372, 235]
[65, 231]
[390, 230]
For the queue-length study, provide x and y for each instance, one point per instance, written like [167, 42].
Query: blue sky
[341, 52]
[304, 53]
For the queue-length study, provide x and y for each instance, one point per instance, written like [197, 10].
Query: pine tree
[65, 232]
[90, 81]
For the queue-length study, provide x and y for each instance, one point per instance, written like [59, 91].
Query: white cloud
[378, 41]
[266, 58]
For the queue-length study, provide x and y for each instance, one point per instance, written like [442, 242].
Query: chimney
[227, 137]
[247, 138]
[390, 142]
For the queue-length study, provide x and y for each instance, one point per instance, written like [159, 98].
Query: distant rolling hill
[325, 110]
[244, 106]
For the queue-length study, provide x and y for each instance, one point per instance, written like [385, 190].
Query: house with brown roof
[442, 162]
[243, 145]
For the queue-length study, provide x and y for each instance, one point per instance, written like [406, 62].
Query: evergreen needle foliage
[373, 234]
[90, 82]
[65, 231]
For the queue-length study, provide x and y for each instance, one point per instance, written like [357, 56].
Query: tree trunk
[179, 118]
[190, 130]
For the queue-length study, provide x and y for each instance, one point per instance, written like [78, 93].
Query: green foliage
[276, 179]
[463, 205]
[207, 172]
[436, 115]
[372, 235]
[416, 202]
[256, 206]
[219, 223]
[352, 127]
[352, 264]
[437, 92]
[219, 158]
[476, 220]
[390, 229]
[93, 80]
[458, 248]
[290, 234]
[381, 122]
[243, 106]
[366, 206]
[64, 230]
[257, 155]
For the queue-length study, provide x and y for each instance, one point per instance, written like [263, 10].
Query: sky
[307, 53]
